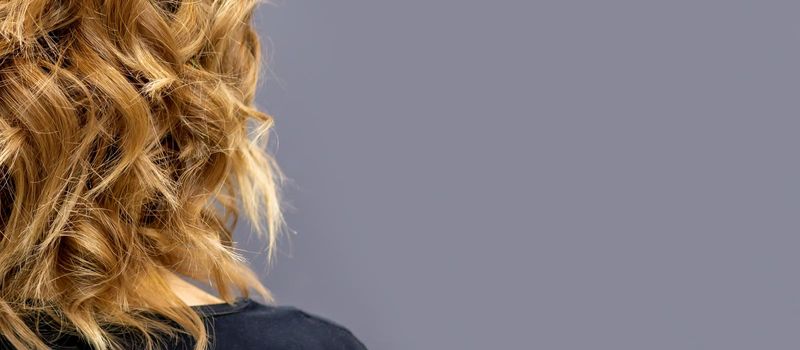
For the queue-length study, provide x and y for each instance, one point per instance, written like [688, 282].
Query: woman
[128, 144]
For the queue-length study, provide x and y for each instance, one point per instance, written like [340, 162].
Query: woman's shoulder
[248, 324]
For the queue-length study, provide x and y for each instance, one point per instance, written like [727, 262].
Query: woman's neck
[190, 294]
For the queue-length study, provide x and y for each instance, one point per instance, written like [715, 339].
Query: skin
[190, 294]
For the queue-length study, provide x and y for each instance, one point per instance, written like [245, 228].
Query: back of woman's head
[128, 141]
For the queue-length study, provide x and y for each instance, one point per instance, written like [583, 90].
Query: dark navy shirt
[248, 325]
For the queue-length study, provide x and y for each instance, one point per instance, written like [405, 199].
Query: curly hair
[129, 144]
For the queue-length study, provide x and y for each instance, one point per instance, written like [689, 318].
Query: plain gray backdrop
[565, 174]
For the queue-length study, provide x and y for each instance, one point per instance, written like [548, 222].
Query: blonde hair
[128, 145]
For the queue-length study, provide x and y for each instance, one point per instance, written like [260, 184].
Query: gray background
[540, 174]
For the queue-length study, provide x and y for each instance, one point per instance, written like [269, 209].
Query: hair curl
[128, 145]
